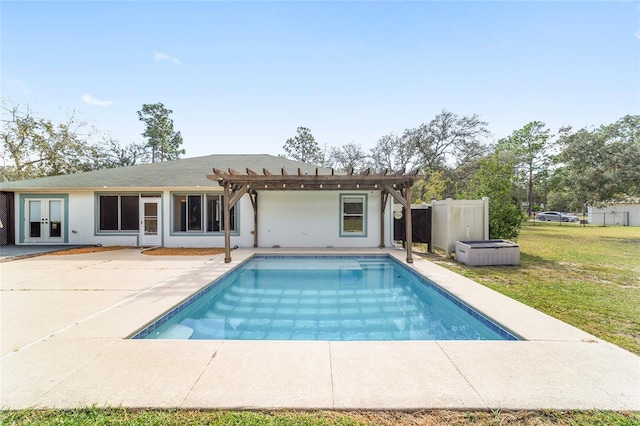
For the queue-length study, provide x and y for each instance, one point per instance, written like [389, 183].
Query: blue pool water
[334, 298]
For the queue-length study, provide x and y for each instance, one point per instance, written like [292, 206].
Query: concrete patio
[65, 322]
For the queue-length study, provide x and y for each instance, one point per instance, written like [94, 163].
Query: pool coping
[79, 355]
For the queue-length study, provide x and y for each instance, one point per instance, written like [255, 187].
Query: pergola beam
[237, 194]
[313, 182]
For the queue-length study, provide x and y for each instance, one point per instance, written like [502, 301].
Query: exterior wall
[459, 220]
[615, 214]
[312, 219]
[82, 223]
[286, 219]
[82, 216]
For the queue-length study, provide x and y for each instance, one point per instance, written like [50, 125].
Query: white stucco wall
[286, 219]
[80, 228]
[312, 219]
[81, 220]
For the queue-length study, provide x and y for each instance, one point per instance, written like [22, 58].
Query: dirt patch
[184, 251]
[92, 249]
[450, 417]
[160, 251]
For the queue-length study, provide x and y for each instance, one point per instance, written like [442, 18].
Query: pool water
[336, 298]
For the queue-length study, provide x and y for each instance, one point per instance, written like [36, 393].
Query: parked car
[556, 216]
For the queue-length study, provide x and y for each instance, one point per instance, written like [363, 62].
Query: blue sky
[240, 77]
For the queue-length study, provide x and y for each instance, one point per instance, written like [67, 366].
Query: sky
[240, 77]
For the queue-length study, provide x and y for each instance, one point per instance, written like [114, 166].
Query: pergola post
[227, 224]
[403, 196]
[254, 202]
[409, 228]
[384, 196]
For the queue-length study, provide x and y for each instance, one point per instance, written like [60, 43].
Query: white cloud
[158, 56]
[90, 100]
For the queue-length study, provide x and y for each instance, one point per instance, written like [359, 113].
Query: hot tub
[487, 252]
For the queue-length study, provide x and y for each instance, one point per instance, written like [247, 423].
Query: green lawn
[586, 276]
[119, 416]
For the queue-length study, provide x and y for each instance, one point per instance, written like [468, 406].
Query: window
[200, 213]
[118, 213]
[129, 212]
[353, 218]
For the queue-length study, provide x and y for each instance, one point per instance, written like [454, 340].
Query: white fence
[615, 215]
[458, 220]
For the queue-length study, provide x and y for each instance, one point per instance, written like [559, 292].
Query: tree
[601, 165]
[448, 138]
[35, 147]
[163, 141]
[304, 148]
[433, 185]
[495, 179]
[531, 147]
[349, 157]
[394, 153]
[112, 154]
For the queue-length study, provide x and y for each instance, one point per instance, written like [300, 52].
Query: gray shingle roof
[186, 172]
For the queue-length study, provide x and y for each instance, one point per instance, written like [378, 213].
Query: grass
[119, 416]
[586, 276]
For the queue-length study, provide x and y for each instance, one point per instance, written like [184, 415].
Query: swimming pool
[337, 298]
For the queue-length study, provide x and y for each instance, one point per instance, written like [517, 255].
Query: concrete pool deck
[65, 322]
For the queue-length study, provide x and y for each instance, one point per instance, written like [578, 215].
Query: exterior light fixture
[320, 186]
[284, 185]
[302, 185]
[338, 186]
[357, 185]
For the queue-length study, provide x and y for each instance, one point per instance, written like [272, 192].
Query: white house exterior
[621, 214]
[312, 219]
[173, 204]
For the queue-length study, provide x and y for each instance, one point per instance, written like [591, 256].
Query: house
[623, 214]
[271, 202]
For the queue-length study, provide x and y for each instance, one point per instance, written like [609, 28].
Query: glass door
[44, 220]
[54, 230]
[36, 223]
[150, 225]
